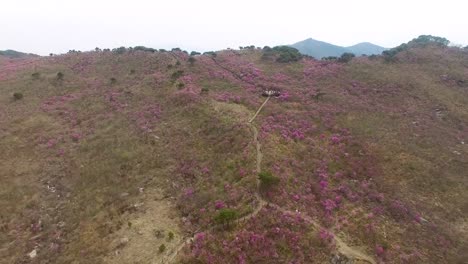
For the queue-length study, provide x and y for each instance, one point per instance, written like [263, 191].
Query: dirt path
[258, 111]
[261, 201]
[341, 246]
[258, 146]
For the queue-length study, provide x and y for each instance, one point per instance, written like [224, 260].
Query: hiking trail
[341, 246]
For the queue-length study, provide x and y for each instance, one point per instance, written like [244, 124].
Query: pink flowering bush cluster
[228, 98]
[9, 68]
[271, 237]
[147, 118]
[288, 126]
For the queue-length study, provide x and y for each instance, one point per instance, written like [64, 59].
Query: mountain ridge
[319, 49]
[13, 54]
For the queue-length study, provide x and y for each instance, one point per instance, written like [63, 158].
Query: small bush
[346, 57]
[176, 75]
[162, 248]
[194, 53]
[318, 95]
[113, 80]
[132, 71]
[170, 236]
[120, 50]
[210, 53]
[267, 179]
[60, 76]
[205, 89]
[177, 63]
[36, 75]
[226, 216]
[330, 58]
[282, 54]
[191, 60]
[180, 85]
[143, 48]
[18, 96]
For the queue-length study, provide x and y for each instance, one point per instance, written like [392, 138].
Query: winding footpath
[341, 247]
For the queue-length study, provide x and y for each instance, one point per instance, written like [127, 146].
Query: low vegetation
[370, 153]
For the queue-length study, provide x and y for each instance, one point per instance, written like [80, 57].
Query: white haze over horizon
[56, 26]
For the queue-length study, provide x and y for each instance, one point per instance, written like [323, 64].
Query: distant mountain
[366, 48]
[319, 49]
[16, 54]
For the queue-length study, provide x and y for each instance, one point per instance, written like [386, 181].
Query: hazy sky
[56, 26]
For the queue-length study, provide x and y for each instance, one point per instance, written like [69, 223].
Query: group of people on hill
[267, 93]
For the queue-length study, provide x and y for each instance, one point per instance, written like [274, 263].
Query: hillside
[154, 157]
[319, 49]
[13, 54]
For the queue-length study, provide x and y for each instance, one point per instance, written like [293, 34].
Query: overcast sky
[56, 26]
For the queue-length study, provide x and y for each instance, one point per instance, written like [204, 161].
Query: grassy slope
[384, 144]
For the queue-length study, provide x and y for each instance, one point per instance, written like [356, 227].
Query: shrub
[226, 216]
[176, 49]
[211, 53]
[287, 54]
[205, 89]
[162, 248]
[132, 71]
[176, 75]
[113, 80]
[120, 50]
[428, 39]
[267, 179]
[177, 63]
[283, 54]
[346, 57]
[180, 85]
[194, 53]
[60, 76]
[36, 75]
[143, 48]
[191, 60]
[330, 58]
[18, 96]
[319, 94]
[170, 236]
